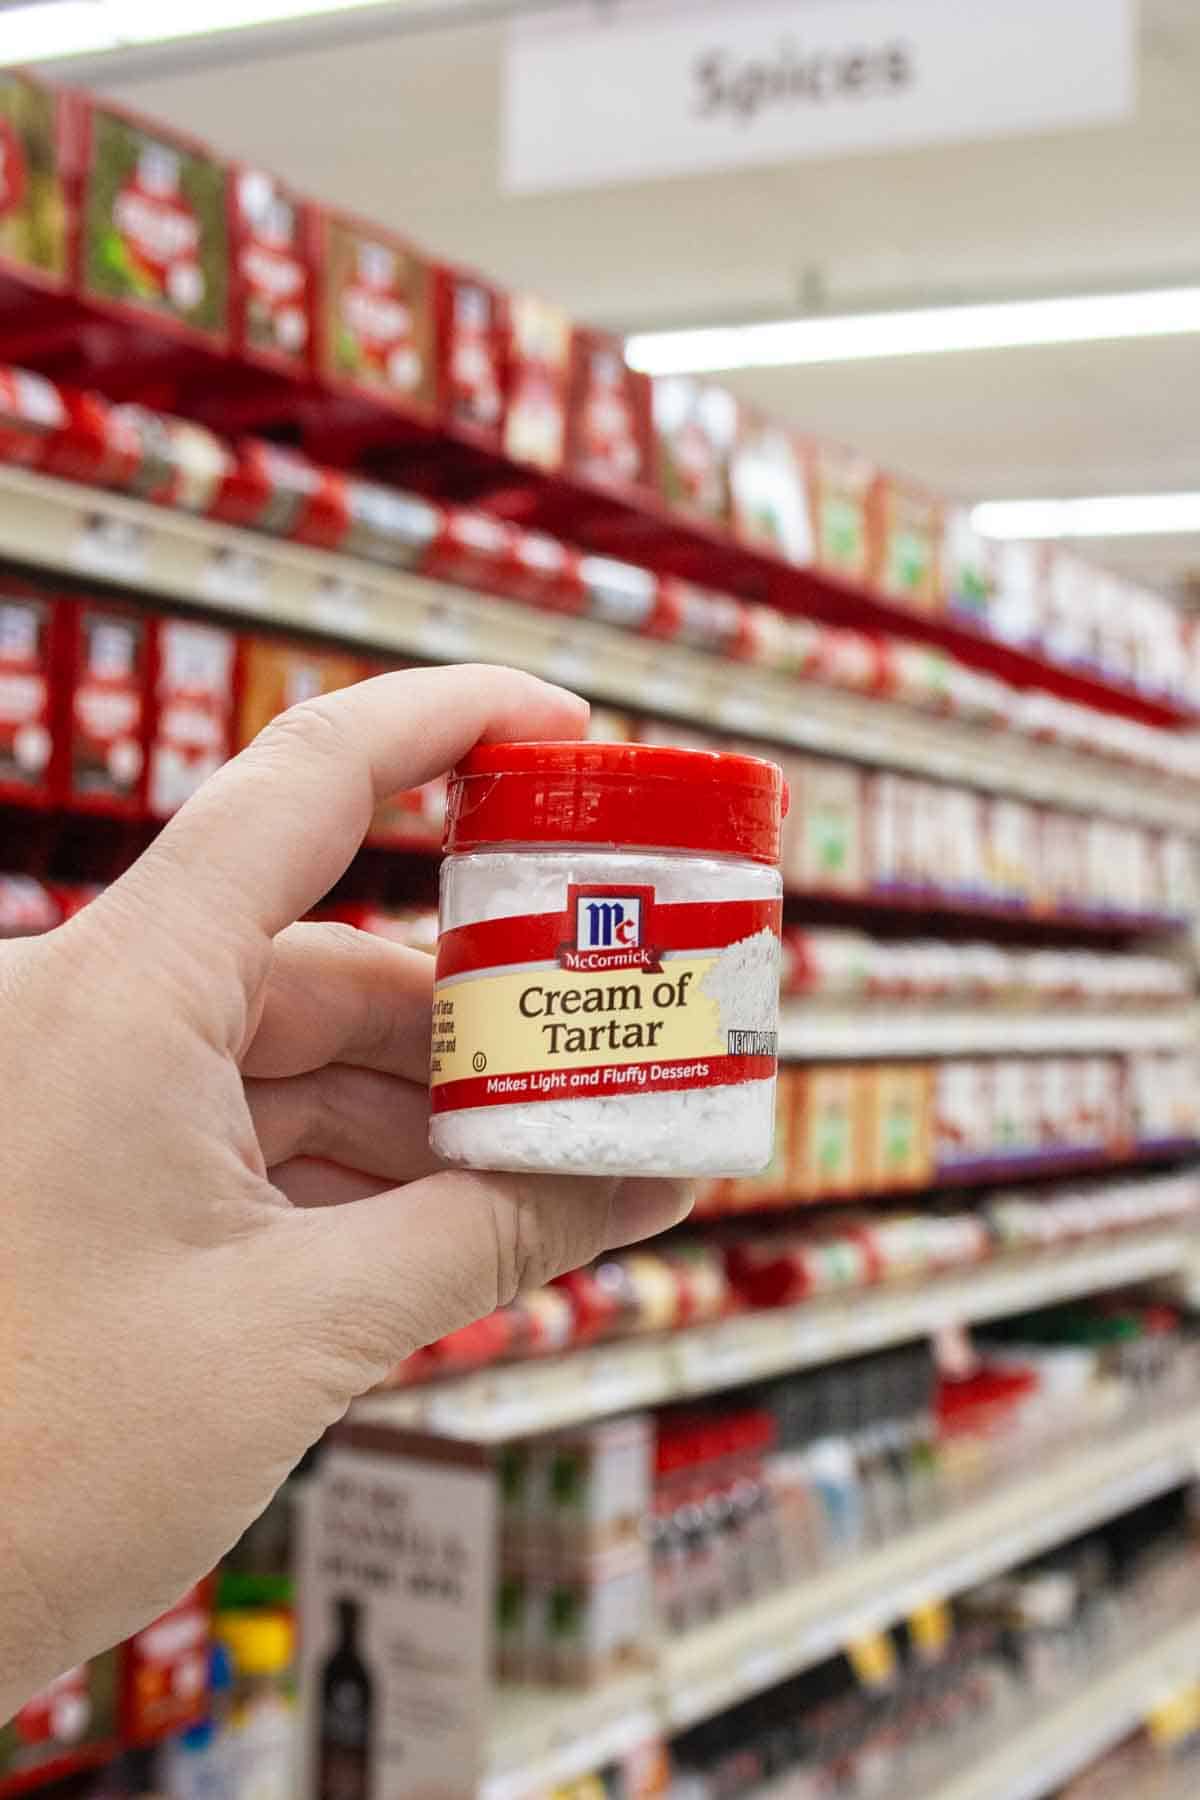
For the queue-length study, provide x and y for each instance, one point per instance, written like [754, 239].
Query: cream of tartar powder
[607, 996]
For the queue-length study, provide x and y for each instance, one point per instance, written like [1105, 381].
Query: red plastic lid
[621, 796]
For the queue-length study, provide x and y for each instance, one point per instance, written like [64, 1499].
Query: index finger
[268, 835]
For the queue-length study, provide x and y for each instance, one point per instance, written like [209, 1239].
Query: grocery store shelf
[950, 914]
[812, 1032]
[714, 1668]
[1064, 1739]
[93, 343]
[1037, 1165]
[89, 536]
[525, 1398]
[541, 1738]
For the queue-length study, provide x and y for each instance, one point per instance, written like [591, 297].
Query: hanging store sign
[627, 90]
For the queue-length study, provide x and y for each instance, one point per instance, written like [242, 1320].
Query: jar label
[616, 995]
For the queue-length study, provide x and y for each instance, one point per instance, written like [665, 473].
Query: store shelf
[957, 915]
[716, 1667]
[1039, 1165]
[1064, 1739]
[524, 1398]
[544, 1737]
[815, 1033]
[110, 346]
[92, 537]
[537, 1742]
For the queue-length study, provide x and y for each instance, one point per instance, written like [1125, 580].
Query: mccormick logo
[608, 928]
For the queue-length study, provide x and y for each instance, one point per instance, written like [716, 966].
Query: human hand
[222, 1218]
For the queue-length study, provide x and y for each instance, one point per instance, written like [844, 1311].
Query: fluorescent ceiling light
[63, 28]
[932, 331]
[1104, 515]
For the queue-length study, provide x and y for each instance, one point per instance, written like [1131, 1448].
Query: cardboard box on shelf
[824, 834]
[829, 1154]
[192, 730]
[69, 1726]
[1016, 1125]
[31, 633]
[108, 655]
[376, 314]
[398, 1584]
[963, 1112]
[274, 248]
[164, 1671]
[1019, 603]
[906, 531]
[539, 371]
[588, 1616]
[154, 232]
[275, 673]
[695, 429]
[35, 206]
[966, 569]
[842, 482]
[589, 1487]
[472, 329]
[772, 503]
[609, 428]
[898, 1127]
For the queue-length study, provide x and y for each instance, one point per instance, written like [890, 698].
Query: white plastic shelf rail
[525, 1398]
[540, 1737]
[89, 535]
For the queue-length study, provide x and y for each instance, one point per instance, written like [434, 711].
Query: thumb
[384, 1276]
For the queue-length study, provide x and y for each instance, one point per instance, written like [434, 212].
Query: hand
[222, 1221]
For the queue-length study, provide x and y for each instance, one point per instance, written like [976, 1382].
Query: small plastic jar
[607, 993]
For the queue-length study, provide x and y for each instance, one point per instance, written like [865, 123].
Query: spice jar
[607, 995]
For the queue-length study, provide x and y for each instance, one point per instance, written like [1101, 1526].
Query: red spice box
[274, 243]
[539, 367]
[154, 221]
[71, 1725]
[376, 314]
[164, 1671]
[472, 327]
[695, 426]
[35, 211]
[192, 732]
[609, 433]
[109, 659]
[31, 627]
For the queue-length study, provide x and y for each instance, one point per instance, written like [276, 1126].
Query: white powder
[744, 982]
[698, 1131]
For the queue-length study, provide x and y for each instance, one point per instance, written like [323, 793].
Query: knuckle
[312, 726]
[539, 1233]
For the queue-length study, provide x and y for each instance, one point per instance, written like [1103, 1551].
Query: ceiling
[399, 116]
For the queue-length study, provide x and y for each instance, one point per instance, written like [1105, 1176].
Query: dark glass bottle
[345, 1716]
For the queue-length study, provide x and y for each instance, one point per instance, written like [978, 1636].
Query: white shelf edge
[1063, 1739]
[89, 534]
[525, 1398]
[542, 1738]
[725, 1663]
[813, 1032]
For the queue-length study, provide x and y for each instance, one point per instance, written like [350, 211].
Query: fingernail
[643, 1208]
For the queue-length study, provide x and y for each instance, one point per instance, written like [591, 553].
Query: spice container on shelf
[608, 965]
